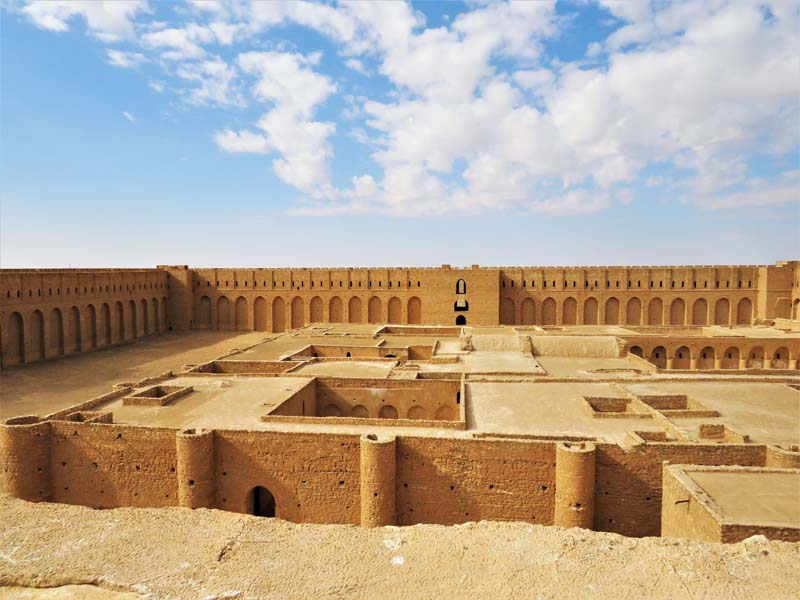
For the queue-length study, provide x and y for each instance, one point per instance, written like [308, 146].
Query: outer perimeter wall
[280, 299]
[48, 313]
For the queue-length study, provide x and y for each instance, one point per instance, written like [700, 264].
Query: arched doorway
[414, 314]
[374, 309]
[92, 327]
[570, 311]
[56, 333]
[261, 502]
[590, 312]
[335, 310]
[105, 327]
[461, 320]
[134, 327]
[224, 320]
[677, 312]
[240, 314]
[549, 312]
[722, 312]
[633, 312]
[259, 314]
[395, 310]
[354, 310]
[316, 309]
[298, 312]
[14, 341]
[387, 411]
[204, 313]
[682, 358]
[528, 312]
[700, 312]
[744, 312]
[417, 412]
[655, 312]
[74, 330]
[707, 358]
[780, 359]
[730, 358]
[612, 312]
[659, 357]
[755, 359]
[278, 315]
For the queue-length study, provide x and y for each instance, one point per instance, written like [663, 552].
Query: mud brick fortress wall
[46, 313]
[347, 478]
[276, 300]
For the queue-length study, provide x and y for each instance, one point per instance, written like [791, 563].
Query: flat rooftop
[564, 381]
[752, 496]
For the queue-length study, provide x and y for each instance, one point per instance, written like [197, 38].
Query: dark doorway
[261, 502]
[461, 320]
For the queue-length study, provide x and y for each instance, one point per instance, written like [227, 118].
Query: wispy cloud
[128, 116]
[125, 60]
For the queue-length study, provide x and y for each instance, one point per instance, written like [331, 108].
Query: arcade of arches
[47, 314]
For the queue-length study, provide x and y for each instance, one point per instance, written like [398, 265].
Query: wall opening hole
[261, 502]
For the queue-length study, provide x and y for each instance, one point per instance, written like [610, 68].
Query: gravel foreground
[61, 551]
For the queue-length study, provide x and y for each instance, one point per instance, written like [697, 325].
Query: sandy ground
[46, 387]
[78, 552]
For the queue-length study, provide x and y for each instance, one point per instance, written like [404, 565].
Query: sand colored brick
[406, 396]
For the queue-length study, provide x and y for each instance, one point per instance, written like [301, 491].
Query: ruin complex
[644, 401]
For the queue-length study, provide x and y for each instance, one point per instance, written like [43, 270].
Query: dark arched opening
[261, 502]
[461, 320]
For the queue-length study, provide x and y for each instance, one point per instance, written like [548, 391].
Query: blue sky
[300, 134]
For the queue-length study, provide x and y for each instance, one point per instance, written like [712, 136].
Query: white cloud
[217, 83]
[242, 142]
[288, 82]
[125, 60]
[287, 79]
[475, 118]
[356, 65]
[128, 116]
[723, 86]
[754, 193]
[181, 43]
[109, 21]
[156, 86]
[532, 79]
